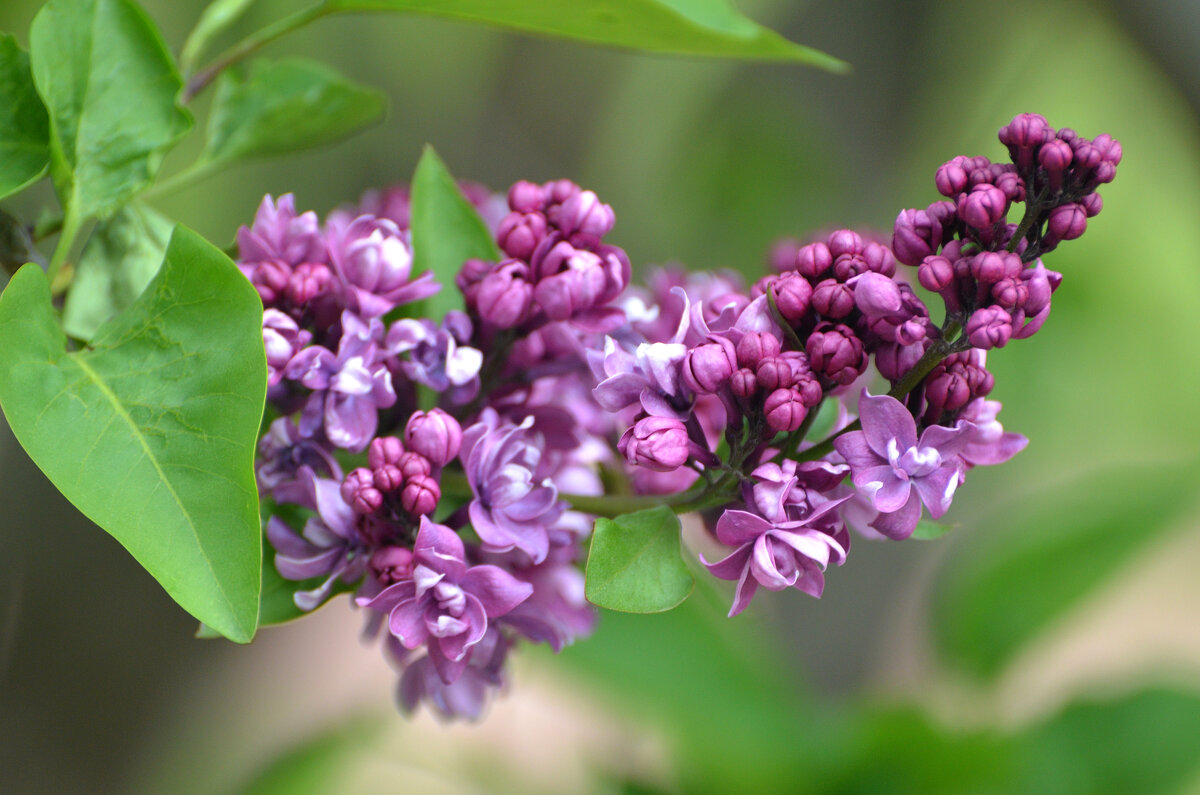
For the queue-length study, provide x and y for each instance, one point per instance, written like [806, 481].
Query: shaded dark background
[705, 163]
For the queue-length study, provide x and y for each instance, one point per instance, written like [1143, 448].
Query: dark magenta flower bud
[271, 279]
[951, 178]
[520, 233]
[894, 360]
[420, 495]
[1041, 283]
[877, 296]
[784, 410]
[1055, 157]
[309, 280]
[388, 478]
[836, 353]
[846, 241]
[707, 368]
[559, 191]
[435, 435]
[774, 372]
[1023, 135]
[585, 213]
[847, 266]
[754, 346]
[392, 564]
[793, 296]
[809, 389]
[989, 327]
[915, 236]
[525, 197]
[936, 274]
[1010, 293]
[657, 443]
[946, 390]
[384, 450]
[468, 278]
[990, 267]
[359, 492]
[983, 206]
[813, 260]
[1092, 204]
[412, 464]
[743, 383]
[1066, 222]
[504, 296]
[833, 299]
[1011, 185]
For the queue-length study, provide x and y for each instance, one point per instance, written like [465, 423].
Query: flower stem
[252, 44]
[66, 240]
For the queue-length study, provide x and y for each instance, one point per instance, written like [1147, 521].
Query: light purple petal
[762, 566]
[854, 448]
[732, 565]
[937, 489]
[900, 525]
[407, 622]
[746, 588]
[885, 418]
[497, 590]
[948, 441]
[735, 528]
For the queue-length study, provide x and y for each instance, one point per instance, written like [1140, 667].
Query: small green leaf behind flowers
[635, 566]
[24, 127]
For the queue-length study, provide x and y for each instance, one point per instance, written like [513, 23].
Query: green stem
[252, 44]
[66, 240]
[184, 179]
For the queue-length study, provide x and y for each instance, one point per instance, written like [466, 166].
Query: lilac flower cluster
[395, 432]
[435, 463]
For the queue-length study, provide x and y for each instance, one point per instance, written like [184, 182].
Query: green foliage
[446, 231]
[110, 86]
[285, 106]
[218, 16]
[24, 128]
[634, 564]
[1018, 575]
[120, 259]
[929, 530]
[149, 431]
[682, 27]
[320, 764]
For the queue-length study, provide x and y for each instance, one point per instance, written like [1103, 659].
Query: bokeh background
[1050, 644]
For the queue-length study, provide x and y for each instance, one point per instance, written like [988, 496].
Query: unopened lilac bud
[1010, 293]
[1023, 135]
[989, 327]
[743, 383]
[1055, 157]
[1040, 284]
[271, 279]
[359, 492]
[784, 410]
[391, 564]
[755, 345]
[420, 495]
[936, 274]
[809, 389]
[774, 372]
[946, 390]
[388, 478]
[950, 179]
[813, 260]
[990, 267]
[894, 360]
[469, 276]
[586, 214]
[877, 296]
[1092, 204]
[309, 280]
[983, 206]
[559, 191]
[847, 266]
[384, 450]
[833, 299]
[1066, 222]
[525, 197]
[836, 353]
[504, 296]
[846, 241]
[411, 464]
[520, 233]
[1011, 185]
[793, 296]
[707, 368]
[657, 443]
[915, 236]
[435, 435]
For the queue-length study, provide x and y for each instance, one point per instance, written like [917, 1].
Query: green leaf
[285, 106]
[218, 16]
[110, 86]
[446, 231]
[24, 127]
[1011, 579]
[681, 27]
[150, 431]
[928, 530]
[634, 563]
[121, 257]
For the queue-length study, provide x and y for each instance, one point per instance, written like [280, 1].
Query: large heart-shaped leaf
[120, 259]
[446, 231]
[683, 27]
[634, 564]
[150, 430]
[285, 106]
[24, 130]
[110, 86]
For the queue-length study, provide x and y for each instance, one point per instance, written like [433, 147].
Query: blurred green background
[1050, 644]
